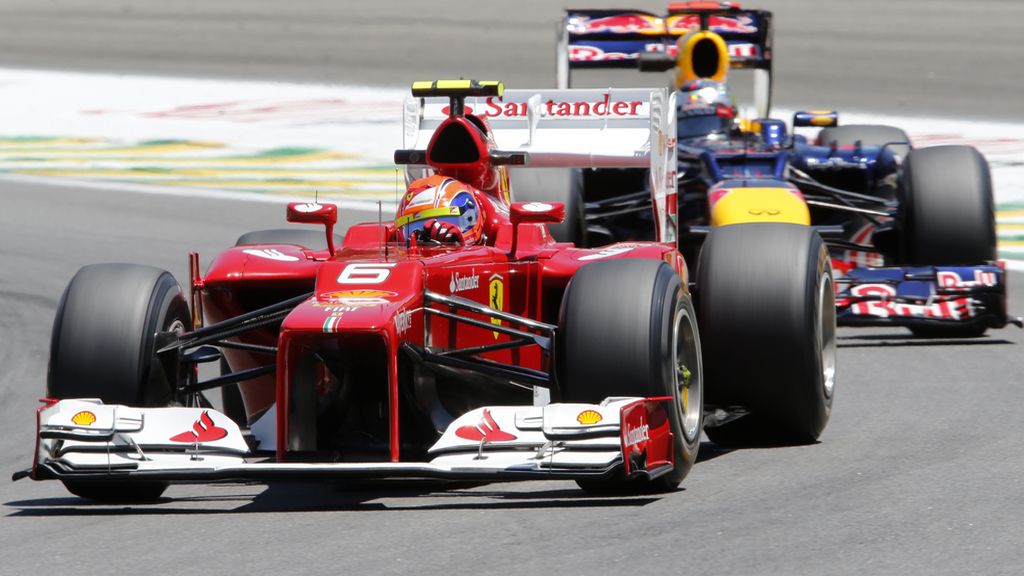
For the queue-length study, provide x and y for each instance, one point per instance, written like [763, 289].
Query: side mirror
[819, 118]
[537, 212]
[315, 213]
[533, 213]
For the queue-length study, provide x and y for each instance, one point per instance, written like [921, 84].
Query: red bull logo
[630, 23]
[949, 279]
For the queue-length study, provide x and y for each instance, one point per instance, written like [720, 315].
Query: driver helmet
[704, 108]
[439, 198]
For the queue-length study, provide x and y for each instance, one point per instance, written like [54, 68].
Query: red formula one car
[458, 341]
[488, 351]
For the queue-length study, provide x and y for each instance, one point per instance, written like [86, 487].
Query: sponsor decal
[84, 418]
[270, 254]
[606, 253]
[463, 283]
[537, 207]
[403, 320]
[495, 107]
[582, 53]
[882, 306]
[604, 107]
[204, 430]
[736, 49]
[588, 53]
[486, 430]
[588, 417]
[950, 279]
[496, 291]
[718, 24]
[636, 435]
[309, 208]
[336, 310]
[618, 24]
[356, 298]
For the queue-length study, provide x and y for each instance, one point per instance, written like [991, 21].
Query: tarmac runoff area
[271, 141]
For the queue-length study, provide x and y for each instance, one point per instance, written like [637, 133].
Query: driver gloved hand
[441, 232]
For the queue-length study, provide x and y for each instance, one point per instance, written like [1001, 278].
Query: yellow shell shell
[84, 418]
[589, 417]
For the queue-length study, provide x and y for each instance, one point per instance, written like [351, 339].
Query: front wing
[923, 296]
[85, 440]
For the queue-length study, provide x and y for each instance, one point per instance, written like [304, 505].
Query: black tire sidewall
[615, 339]
[760, 290]
[946, 208]
[103, 341]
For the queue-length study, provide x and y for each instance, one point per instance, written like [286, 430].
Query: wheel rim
[177, 326]
[827, 335]
[686, 374]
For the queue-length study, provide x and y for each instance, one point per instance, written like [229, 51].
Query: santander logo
[463, 283]
[204, 430]
[636, 435]
[493, 107]
[487, 430]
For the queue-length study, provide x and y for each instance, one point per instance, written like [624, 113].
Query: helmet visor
[410, 223]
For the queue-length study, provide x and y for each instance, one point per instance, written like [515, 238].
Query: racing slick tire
[554, 185]
[104, 346]
[306, 238]
[767, 316]
[628, 328]
[867, 134]
[947, 216]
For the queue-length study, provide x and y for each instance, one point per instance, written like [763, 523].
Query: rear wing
[591, 128]
[597, 39]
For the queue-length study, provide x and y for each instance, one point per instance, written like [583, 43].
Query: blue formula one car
[911, 231]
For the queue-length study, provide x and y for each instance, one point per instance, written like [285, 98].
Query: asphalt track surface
[920, 470]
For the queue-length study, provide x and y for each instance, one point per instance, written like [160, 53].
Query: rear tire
[103, 346]
[628, 328]
[767, 314]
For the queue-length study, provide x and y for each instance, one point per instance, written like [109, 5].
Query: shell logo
[84, 418]
[589, 417]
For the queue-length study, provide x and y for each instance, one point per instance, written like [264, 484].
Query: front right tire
[947, 218]
[104, 346]
[628, 328]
